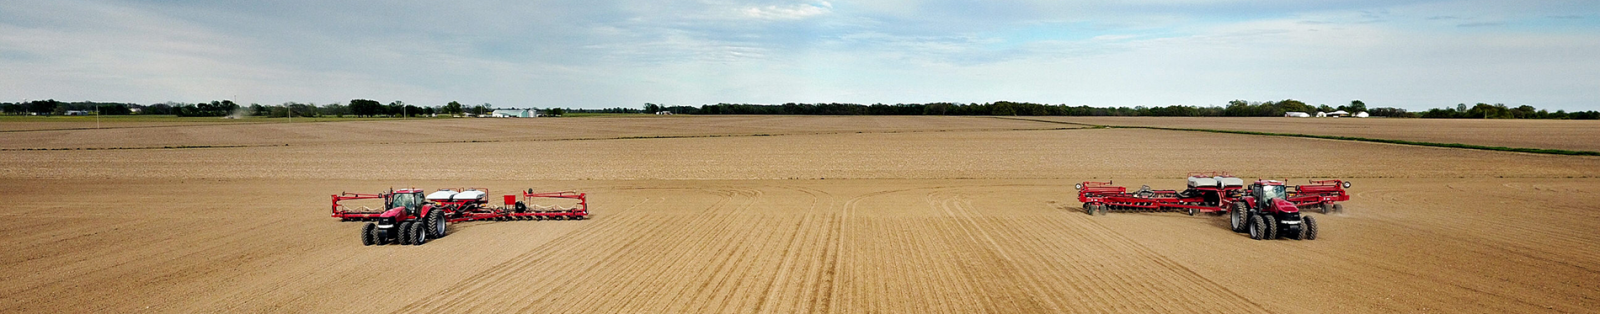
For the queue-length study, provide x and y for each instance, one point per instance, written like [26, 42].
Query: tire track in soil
[1180, 288]
[681, 268]
[960, 208]
[836, 274]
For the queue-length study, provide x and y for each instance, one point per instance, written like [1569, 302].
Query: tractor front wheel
[369, 234]
[1272, 226]
[1310, 230]
[402, 233]
[1258, 228]
[410, 233]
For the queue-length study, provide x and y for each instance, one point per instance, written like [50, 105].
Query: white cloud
[627, 52]
[787, 12]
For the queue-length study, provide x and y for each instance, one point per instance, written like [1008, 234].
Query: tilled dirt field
[1547, 134]
[973, 218]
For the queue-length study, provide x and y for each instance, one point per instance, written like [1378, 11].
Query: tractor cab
[1264, 191]
[411, 200]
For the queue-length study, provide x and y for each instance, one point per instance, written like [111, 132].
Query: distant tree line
[54, 107]
[373, 108]
[1236, 108]
[1501, 111]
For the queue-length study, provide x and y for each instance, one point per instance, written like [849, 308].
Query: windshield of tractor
[409, 201]
[1271, 191]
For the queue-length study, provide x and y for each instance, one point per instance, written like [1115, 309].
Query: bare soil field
[1547, 134]
[249, 133]
[912, 214]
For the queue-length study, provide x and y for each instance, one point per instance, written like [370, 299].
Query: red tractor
[410, 218]
[406, 217]
[1267, 211]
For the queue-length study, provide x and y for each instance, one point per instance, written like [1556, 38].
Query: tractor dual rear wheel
[1236, 219]
[439, 230]
[420, 234]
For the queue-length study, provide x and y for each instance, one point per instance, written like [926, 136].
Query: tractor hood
[1285, 206]
[393, 212]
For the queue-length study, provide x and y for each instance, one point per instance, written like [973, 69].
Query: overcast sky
[1408, 54]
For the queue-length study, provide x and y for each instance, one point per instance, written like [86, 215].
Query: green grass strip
[1379, 140]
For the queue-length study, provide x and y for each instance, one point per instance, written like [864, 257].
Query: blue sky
[1407, 54]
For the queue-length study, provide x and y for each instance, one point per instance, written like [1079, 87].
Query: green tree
[453, 108]
[365, 107]
[1356, 106]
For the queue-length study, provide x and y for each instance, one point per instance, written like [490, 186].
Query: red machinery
[410, 218]
[1207, 192]
[1265, 208]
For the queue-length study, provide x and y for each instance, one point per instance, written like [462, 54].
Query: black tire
[1272, 226]
[437, 224]
[403, 233]
[368, 235]
[410, 233]
[1258, 228]
[521, 207]
[1088, 209]
[1310, 229]
[1192, 211]
[1237, 219]
[1326, 208]
[421, 235]
[1103, 209]
[1338, 208]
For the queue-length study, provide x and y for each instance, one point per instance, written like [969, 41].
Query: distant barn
[514, 113]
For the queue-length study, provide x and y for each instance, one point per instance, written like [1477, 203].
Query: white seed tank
[1199, 182]
[1229, 181]
[441, 195]
[469, 195]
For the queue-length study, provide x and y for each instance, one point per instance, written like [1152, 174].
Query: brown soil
[1547, 134]
[911, 215]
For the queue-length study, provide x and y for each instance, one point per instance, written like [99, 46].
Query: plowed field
[778, 214]
[1546, 134]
